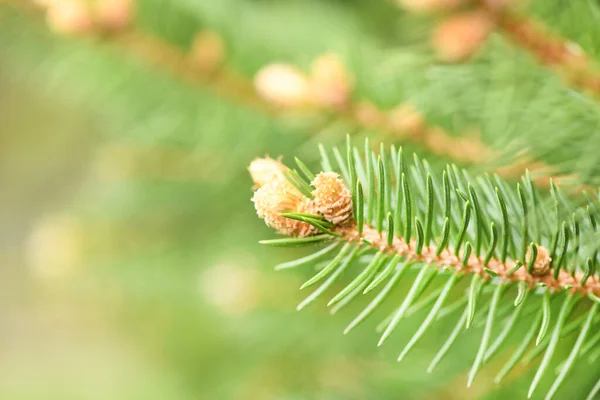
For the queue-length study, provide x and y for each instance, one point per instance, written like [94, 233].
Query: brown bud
[283, 85]
[208, 51]
[114, 15]
[438, 141]
[331, 84]
[541, 265]
[69, 17]
[368, 115]
[575, 57]
[277, 197]
[429, 6]
[333, 200]
[406, 119]
[266, 170]
[460, 36]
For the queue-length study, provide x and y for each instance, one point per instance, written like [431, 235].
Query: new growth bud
[69, 17]
[429, 6]
[81, 17]
[266, 170]
[406, 119]
[276, 195]
[462, 35]
[283, 85]
[208, 51]
[114, 15]
[541, 265]
[333, 200]
[328, 86]
[330, 82]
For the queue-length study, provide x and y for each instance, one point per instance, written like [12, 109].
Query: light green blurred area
[129, 264]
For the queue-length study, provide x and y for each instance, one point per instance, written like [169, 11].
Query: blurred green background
[129, 262]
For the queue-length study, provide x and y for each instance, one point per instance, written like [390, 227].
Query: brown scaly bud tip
[406, 119]
[462, 35]
[429, 6]
[541, 265]
[207, 51]
[283, 85]
[69, 17]
[277, 197]
[333, 200]
[331, 83]
[266, 170]
[368, 114]
[114, 15]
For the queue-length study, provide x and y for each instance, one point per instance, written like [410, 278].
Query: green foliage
[500, 220]
[166, 226]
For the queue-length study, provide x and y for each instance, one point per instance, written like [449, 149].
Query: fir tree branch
[532, 268]
[560, 54]
[556, 263]
[463, 33]
[226, 82]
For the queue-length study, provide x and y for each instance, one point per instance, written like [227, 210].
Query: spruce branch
[480, 228]
[562, 55]
[401, 123]
[462, 34]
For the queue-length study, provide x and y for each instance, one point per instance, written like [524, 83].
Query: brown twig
[225, 82]
[474, 264]
[560, 54]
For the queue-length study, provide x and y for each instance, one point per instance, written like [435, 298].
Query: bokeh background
[129, 259]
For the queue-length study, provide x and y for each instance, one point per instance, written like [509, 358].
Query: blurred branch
[404, 122]
[562, 55]
[156, 52]
[228, 83]
[462, 33]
